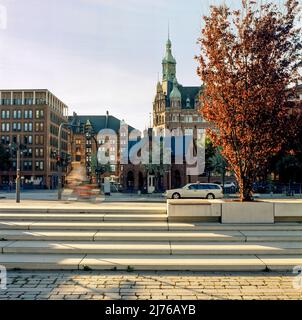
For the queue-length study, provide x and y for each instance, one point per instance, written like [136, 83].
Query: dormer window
[188, 103]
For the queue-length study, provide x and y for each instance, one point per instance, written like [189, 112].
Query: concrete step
[41, 261]
[281, 226]
[157, 222]
[197, 263]
[63, 225]
[85, 217]
[122, 248]
[282, 262]
[137, 234]
[130, 262]
[87, 208]
[153, 248]
[149, 262]
[44, 235]
[275, 235]
[47, 247]
[170, 236]
[153, 236]
[138, 217]
[246, 248]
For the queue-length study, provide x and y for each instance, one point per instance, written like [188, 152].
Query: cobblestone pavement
[149, 285]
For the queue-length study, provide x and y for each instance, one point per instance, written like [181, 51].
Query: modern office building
[35, 116]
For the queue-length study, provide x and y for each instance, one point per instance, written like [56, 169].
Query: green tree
[219, 164]
[209, 153]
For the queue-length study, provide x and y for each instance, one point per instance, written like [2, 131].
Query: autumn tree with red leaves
[249, 65]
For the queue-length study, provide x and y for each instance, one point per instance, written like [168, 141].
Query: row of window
[54, 143]
[27, 139]
[161, 105]
[177, 118]
[28, 153]
[55, 119]
[28, 165]
[17, 126]
[19, 114]
[18, 102]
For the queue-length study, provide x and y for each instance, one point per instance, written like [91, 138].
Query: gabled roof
[189, 93]
[98, 122]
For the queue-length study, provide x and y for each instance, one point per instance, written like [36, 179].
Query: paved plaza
[149, 285]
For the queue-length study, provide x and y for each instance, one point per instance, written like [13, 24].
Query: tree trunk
[246, 189]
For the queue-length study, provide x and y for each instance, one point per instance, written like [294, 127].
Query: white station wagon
[196, 190]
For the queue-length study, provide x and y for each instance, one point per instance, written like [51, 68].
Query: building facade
[34, 116]
[175, 108]
[87, 139]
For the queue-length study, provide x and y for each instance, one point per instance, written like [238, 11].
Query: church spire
[169, 62]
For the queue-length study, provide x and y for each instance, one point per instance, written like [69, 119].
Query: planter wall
[193, 210]
[288, 211]
[247, 212]
[266, 211]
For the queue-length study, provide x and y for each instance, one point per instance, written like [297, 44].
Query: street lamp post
[59, 162]
[17, 147]
[18, 178]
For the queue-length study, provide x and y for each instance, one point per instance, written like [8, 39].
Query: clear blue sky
[99, 55]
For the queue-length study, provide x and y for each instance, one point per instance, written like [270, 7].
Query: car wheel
[210, 196]
[176, 196]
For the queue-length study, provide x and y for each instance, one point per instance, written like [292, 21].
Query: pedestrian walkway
[150, 286]
[71, 206]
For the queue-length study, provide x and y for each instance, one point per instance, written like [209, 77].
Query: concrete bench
[194, 210]
[227, 211]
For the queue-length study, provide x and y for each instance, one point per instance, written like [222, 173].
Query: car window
[213, 187]
[193, 187]
[202, 187]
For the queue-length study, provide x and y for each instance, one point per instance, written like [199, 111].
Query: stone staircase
[141, 238]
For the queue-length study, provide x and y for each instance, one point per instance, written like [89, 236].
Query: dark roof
[98, 122]
[191, 93]
[186, 92]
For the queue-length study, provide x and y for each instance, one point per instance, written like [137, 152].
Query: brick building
[34, 115]
[84, 147]
[175, 107]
